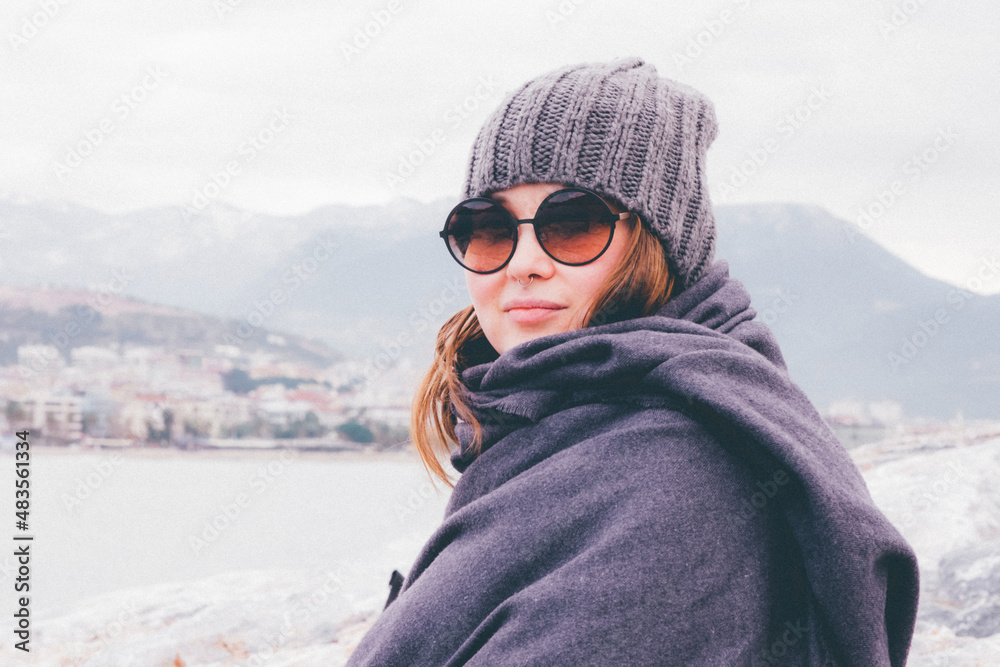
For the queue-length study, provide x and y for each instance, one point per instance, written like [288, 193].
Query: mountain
[852, 319]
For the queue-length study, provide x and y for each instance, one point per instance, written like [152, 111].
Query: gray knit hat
[619, 129]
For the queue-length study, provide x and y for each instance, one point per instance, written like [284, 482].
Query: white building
[58, 417]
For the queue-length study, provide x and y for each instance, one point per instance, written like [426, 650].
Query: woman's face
[558, 297]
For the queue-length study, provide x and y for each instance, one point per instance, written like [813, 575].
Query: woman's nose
[529, 259]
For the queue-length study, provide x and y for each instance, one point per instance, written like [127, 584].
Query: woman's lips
[531, 311]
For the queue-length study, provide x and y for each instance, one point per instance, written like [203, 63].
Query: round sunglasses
[574, 226]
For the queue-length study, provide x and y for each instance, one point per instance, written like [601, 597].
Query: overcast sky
[888, 107]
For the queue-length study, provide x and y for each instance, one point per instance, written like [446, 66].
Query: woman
[641, 482]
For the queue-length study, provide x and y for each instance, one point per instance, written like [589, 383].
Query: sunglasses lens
[481, 235]
[574, 226]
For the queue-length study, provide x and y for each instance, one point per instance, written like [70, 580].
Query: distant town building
[57, 417]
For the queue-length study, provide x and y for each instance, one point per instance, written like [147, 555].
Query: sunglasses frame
[516, 224]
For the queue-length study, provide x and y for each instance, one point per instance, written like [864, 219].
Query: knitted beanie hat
[619, 129]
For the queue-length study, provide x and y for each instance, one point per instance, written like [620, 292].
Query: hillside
[67, 318]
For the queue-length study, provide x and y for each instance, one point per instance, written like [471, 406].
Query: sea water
[105, 521]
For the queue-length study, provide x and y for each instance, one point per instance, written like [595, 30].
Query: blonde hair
[639, 284]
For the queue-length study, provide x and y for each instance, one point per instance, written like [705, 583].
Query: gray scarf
[654, 491]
